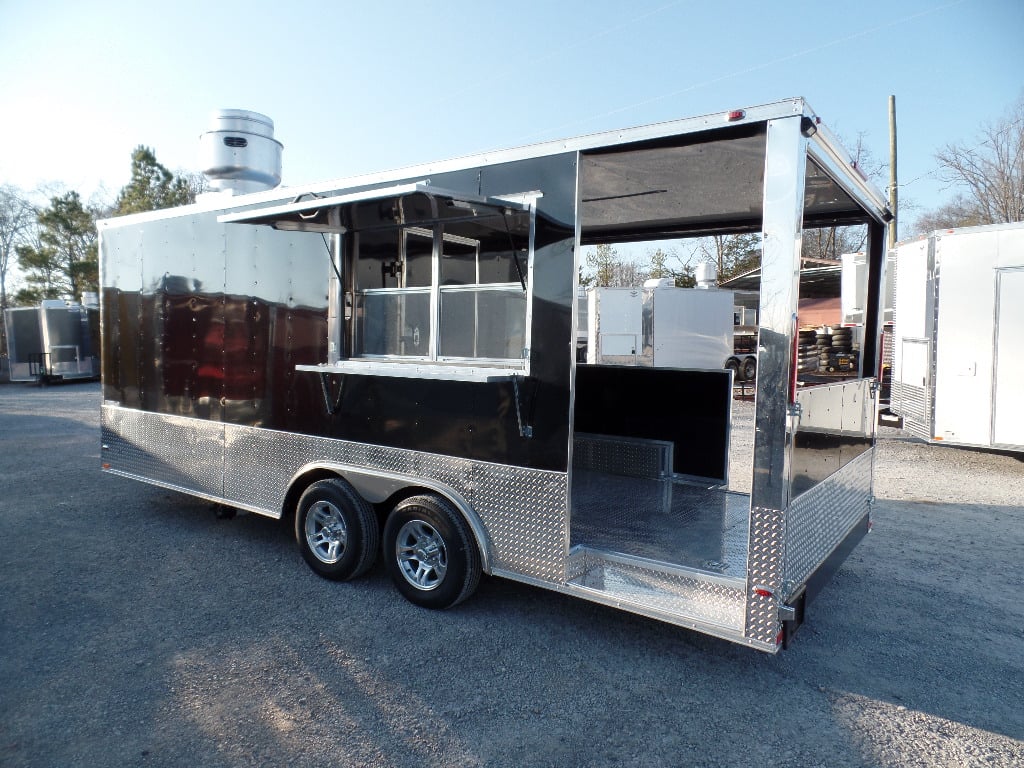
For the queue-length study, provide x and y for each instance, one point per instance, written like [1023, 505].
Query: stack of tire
[823, 344]
[807, 352]
[841, 347]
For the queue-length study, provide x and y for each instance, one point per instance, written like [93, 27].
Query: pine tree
[152, 186]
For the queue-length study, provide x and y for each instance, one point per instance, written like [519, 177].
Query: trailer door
[1008, 417]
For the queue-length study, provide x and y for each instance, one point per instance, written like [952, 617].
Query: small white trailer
[390, 362]
[958, 343]
[660, 325]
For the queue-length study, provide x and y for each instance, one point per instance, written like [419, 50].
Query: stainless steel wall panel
[819, 520]
[834, 424]
[785, 168]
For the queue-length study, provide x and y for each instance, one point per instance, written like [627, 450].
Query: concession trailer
[958, 341]
[391, 360]
[55, 341]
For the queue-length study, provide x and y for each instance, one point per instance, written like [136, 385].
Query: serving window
[447, 282]
[423, 281]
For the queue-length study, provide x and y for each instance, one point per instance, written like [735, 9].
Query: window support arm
[331, 407]
[525, 429]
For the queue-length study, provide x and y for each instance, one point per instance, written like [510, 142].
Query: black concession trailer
[392, 360]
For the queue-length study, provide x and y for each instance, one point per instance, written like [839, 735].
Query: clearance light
[779, 637]
[106, 466]
[736, 114]
[763, 592]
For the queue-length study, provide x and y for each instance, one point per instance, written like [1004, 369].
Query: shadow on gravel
[926, 615]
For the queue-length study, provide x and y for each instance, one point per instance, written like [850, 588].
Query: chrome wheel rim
[421, 554]
[326, 532]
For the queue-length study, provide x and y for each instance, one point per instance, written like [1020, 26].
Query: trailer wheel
[749, 369]
[430, 552]
[732, 364]
[336, 530]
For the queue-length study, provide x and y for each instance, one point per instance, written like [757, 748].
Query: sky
[365, 87]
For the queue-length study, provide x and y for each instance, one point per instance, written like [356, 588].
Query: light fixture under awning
[312, 214]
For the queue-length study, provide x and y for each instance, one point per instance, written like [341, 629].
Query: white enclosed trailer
[660, 325]
[390, 361]
[614, 325]
[958, 342]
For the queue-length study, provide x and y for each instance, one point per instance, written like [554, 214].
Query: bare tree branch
[991, 172]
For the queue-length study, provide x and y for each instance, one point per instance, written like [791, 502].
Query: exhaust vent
[239, 153]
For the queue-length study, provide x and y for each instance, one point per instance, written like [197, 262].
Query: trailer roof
[833, 177]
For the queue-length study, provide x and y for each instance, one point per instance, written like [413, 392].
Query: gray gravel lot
[139, 629]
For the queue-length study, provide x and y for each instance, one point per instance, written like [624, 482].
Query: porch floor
[670, 522]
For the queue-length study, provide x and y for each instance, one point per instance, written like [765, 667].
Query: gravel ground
[139, 629]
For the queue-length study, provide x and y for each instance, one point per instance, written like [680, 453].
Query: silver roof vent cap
[239, 153]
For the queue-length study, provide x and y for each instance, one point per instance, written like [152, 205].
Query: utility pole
[893, 203]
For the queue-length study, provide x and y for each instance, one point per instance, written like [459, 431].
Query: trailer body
[659, 325]
[393, 358]
[615, 330]
[958, 365]
[54, 341]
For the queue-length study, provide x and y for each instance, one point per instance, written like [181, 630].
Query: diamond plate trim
[523, 510]
[676, 597]
[169, 450]
[622, 456]
[914, 405]
[821, 518]
[765, 567]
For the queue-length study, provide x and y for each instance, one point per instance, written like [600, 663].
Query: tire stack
[842, 341]
[807, 352]
[823, 345]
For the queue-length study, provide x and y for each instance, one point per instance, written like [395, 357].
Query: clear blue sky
[363, 87]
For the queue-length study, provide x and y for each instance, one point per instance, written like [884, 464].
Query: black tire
[732, 364]
[430, 552]
[336, 530]
[749, 369]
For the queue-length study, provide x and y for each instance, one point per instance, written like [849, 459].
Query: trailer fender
[376, 486]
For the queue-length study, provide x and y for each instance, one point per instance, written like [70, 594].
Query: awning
[313, 213]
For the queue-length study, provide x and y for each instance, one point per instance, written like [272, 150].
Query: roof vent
[706, 275]
[239, 153]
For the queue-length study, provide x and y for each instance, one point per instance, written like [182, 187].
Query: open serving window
[424, 282]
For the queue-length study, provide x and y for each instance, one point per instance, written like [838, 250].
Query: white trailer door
[965, 264]
[1008, 420]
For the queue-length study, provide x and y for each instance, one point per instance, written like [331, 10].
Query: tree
[610, 270]
[833, 242]
[661, 267]
[152, 186]
[17, 220]
[63, 260]
[957, 213]
[991, 172]
[732, 255]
